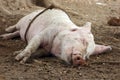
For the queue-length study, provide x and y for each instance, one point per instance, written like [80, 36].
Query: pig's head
[77, 44]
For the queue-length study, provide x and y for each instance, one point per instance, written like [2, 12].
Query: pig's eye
[74, 29]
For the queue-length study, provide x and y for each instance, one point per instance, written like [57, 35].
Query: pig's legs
[10, 35]
[101, 49]
[17, 52]
[32, 46]
[11, 28]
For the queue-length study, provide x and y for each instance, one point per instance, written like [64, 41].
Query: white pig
[56, 33]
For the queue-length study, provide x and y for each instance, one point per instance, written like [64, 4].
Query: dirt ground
[101, 67]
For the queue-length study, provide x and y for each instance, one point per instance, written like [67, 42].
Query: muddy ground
[101, 67]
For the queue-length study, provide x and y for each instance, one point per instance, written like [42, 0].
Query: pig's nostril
[78, 58]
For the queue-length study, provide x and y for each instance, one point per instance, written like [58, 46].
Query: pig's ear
[87, 26]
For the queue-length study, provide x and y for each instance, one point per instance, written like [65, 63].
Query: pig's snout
[77, 60]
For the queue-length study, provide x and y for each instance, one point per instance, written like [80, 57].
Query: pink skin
[56, 33]
[101, 49]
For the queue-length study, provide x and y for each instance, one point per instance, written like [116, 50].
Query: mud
[100, 67]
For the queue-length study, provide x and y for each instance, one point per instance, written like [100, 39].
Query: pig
[58, 35]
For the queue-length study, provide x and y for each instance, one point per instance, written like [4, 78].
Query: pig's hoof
[1, 37]
[22, 57]
[17, 52]
[4, 36]
[109, 48]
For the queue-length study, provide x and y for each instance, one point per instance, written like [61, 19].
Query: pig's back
[50, 18]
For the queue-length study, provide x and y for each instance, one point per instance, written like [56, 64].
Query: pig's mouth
[77, 61]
